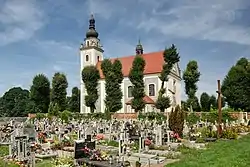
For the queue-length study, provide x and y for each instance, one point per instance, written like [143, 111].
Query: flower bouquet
[99, 137]
[41, 137]
[95, 155]
[148, 142]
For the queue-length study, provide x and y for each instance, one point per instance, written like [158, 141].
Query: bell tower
[91, 53]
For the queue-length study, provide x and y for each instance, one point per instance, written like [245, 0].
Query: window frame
[128, 88]
[154, 90]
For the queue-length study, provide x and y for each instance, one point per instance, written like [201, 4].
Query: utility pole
[219, 109]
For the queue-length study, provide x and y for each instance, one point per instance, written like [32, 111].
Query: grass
[233, 153]
[4, 150]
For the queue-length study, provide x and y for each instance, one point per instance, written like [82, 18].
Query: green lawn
[234, 153]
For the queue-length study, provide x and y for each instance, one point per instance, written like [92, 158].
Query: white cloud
[205, 20]
[20, 19]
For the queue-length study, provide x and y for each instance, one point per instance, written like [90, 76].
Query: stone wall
[236, 115]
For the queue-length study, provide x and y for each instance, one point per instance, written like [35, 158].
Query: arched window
[98, 58]
[87, 58]
[151, 90]
[130, 91]
[87, 43]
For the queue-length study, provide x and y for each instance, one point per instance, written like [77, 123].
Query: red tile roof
[154, 62]
[146, 99]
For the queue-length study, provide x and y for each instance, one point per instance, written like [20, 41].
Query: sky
[44, 36]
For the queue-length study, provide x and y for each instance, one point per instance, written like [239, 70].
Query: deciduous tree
[205, 102]
[59, 90]
[213, 102]
[14, 102]
[39, 94]
[136, 78]
[90, 77]
[113, 79]
[171, 57]
[235, 86]
[74, 101]
[191, 76]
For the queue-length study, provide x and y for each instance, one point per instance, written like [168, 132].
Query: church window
[87, 58]
[87, 43]
[130, 91]
[151, 90]
[98, 58]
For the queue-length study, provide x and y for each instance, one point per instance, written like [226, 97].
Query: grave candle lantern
[110, 159]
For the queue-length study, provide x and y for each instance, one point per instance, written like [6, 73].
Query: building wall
[148, 79]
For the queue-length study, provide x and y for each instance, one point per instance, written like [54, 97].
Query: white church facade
[91, 53]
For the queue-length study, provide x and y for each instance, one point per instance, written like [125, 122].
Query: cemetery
[146, 141]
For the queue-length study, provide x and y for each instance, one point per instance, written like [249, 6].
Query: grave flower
[41, 137]
[148, 142]
[99, 136]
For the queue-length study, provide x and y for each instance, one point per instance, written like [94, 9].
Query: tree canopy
[171, 57]
[74, 100]
[59, 90]
[191, 76]
[205, 102]
[39, 94]
[13, 103]
[113, 79]
[90, 77]
[136, 78]
[235, 87]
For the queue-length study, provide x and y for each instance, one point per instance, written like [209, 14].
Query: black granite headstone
[79, 146]
[88, 138]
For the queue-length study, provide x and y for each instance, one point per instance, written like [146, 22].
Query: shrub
[151, 116]
[192, 118]
[229, 134]
[176, 120]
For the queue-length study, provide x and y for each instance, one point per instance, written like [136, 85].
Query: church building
[91, 53]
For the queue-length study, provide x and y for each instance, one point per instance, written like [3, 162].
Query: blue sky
[43, 36]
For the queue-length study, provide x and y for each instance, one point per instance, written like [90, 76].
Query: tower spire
[139, 48]
[92, 31]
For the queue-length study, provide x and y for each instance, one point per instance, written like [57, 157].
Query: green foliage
[90, 77]
[151, 116]
[54, 109]
[163, 102]
[14, 102]
[205, 102]
[65, 116]
[59, 90]
[192, 118]
[40, 116]
[176, 120]
[112, 143]
[213, 102]
[4, 150]
[184, 105]
[229, 134]
[235, 87]
[171, 57]
[191, 76]
[213, 116]
[194, 103]
[136, 78]
[39, 94]
[74, 101]
[113, 79]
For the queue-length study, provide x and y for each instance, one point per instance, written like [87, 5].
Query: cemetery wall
[236, 115]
